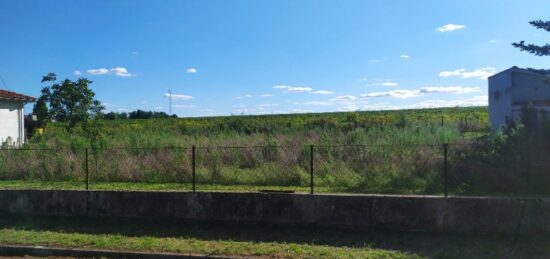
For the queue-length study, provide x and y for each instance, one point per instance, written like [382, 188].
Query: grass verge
[131, 186]
[258, 241]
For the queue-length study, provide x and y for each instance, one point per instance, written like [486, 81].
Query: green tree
[41, 111]
[543, 50]
[69, 101]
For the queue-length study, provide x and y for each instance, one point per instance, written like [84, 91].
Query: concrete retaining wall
[459, 214]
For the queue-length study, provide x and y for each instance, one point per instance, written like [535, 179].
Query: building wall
[500, 98]
[529, 87]
[509, 90]
[11, 122]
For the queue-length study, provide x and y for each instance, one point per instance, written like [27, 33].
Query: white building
[514, 88]
[12, 125]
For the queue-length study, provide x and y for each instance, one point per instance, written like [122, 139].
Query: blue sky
[263, 57]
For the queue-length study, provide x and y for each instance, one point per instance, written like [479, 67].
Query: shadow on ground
[435, 245]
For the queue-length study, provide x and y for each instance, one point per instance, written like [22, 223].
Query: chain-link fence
[396, 169]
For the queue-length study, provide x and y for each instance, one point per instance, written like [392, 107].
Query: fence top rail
[243, 147]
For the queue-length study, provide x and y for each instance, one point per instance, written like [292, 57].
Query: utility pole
[170, 101]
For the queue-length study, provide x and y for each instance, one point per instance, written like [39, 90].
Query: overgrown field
[384, 152]
[424, 126]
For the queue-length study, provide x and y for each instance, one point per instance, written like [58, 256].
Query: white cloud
[374, 61]
[343, 98]
[405, 93]
[322, 92]
[450, 27]
[244, 96]
[378, 82]
[315, 103]
[77, 73]
[179, 96]
[191, 70]
[298, 89]
[457, 72]
[481, 73]
[401, 94]
[474, 101]
[449, 89]
[294, 89]
[99, 71]
[375, 94]
[264, 105]
[118, 71]
[404, 56]
[266, 95]
[482, 100]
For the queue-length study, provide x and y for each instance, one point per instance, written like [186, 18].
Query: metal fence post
[193, 165]
[445, 168]
[87, 171]
[311, 168]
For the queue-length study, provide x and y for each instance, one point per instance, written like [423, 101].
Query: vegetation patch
[258, 241]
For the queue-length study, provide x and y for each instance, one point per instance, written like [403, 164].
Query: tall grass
[386, 152]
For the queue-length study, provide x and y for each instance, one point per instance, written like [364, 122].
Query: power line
[4, 83]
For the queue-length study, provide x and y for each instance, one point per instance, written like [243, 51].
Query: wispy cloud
[404, 56]
[482, 100]
[374, 61]
[343, 98]
[191, 70]
[449, 89]
[322, 92]
[406, 93]
[450, 27]
[266, 95]
[294, 89]
[400, 94]
[77, 73]
[118, 71]
[474, 101]
[179, 96]
[244, 96]
[378, 82]
[481, 73]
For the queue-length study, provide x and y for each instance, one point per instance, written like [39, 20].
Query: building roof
[532, 71]
[13, 96]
